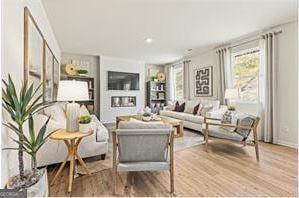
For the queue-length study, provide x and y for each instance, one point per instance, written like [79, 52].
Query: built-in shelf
[156, 94]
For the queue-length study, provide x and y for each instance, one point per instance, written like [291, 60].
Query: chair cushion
[192, 118]
[172, 114]
[246, 122]
[143, 166]
[143, 125]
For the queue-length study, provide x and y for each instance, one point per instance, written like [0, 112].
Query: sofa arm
[101, 131]
[219, 112]
[169, 108]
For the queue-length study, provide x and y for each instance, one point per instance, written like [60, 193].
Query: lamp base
[72, 114]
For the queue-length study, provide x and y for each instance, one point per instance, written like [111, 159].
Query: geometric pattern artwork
[203, 81]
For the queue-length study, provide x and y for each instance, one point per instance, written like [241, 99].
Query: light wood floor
[227, 169]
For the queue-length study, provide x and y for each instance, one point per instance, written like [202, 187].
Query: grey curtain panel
[187, 79]
[268, 88]
[223, 57]
[169, 83]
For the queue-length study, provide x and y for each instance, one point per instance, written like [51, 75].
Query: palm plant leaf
[16, 130]
[31, 130]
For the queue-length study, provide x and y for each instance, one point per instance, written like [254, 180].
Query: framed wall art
[203, 78]
[40, 64]
[33, 51]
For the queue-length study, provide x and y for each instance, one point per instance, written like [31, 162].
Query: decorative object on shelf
[81, 64]
[22, 107]
[82, 72]
[231, 95]
[85, 124]
[70, 69]
[147, 110]
[161, 77]
[203, 78]
[72, 90]
[40, 64]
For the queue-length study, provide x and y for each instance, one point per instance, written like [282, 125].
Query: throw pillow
[206, 109]
[195, 109]
[56, 112]
[84, 111]
[178, 107]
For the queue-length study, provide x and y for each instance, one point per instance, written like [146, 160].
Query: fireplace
[123, 101]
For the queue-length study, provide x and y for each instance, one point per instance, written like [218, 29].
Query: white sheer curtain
[169, 83]
[186, 80]
[268, 88]
[225, 72]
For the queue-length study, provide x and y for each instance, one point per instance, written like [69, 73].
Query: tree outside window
[245, 74]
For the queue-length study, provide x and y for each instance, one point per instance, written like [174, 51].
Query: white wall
[287, 84]
[12, 24]
[204, 59]
[108, 113]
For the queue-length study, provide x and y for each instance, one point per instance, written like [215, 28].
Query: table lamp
[231, 95]
[72, 90]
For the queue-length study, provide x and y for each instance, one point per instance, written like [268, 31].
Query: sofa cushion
[56, 112]
[192, 118]
[214, 103]
[189, 106]
[172, 114]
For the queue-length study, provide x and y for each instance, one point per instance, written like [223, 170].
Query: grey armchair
[141, 146]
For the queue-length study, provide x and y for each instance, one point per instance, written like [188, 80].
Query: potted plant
[85, 123]
[21, 108]
[82, 72]
[147, 117]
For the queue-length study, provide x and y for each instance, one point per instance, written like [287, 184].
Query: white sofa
[194, 121]
[54, 151]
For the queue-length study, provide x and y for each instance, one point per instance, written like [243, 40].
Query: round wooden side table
[72, 141]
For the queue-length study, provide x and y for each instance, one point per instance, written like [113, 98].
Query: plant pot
[40, 188]
[85, 128]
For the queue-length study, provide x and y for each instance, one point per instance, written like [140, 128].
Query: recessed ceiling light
[148, 40]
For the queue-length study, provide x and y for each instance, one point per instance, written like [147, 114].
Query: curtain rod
[275, 33]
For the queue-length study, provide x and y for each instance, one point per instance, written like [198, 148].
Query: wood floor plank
[226, 169]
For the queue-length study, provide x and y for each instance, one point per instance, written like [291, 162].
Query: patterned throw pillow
[245, 122]
[178, 107]
[195, 109]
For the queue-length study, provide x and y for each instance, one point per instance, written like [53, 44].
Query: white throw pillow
[189, 106]
[84, 111]
[56, 112]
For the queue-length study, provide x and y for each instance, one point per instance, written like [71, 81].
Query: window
[178, 74]
[245, 66]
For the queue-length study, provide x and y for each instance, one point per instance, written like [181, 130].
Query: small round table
[72, 141]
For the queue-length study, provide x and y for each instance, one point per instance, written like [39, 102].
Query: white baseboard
[288, 144]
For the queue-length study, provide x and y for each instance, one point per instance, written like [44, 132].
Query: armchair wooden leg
[256, 144]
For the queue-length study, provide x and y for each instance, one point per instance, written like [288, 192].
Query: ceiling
[119, 27]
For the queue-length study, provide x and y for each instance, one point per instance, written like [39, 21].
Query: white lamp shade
[72, 90]
[231, 94]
